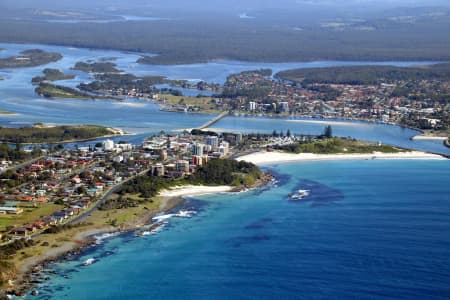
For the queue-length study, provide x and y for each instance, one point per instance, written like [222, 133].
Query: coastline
[263, 157]
[78, 240]
[193, 190]
[75, 242]
[115, 132]
[428, 138]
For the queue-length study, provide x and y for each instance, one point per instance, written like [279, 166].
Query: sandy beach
[263, 157]
[429, 138]
[192, 190]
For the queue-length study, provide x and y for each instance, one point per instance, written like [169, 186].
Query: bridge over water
[215, 120]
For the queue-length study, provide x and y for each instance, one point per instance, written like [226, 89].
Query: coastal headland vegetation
[337, 145]
[214, 173]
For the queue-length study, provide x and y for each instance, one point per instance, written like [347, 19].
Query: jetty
[215, 120]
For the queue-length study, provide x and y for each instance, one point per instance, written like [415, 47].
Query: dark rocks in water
[34, 292]
[320, 194]
[259, 224]
[238, 241]
[35, 281]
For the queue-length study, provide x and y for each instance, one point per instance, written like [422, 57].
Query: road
[28, 162]
[103, 198]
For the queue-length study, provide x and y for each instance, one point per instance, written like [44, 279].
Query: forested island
[115, 84]
[48, 90]
[96, 67]
[56, 134]
[52, 75]
[29, 58]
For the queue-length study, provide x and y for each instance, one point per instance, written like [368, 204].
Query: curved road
[105, 197]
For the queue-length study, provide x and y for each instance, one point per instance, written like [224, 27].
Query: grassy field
[205, 104]
[125, 217]
[30, 215]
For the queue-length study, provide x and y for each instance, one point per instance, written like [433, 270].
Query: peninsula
[55, 134]
[48, 90]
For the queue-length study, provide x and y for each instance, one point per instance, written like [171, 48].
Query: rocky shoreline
[32, 273]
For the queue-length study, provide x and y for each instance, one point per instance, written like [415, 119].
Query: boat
[88, 262]
[299, 195]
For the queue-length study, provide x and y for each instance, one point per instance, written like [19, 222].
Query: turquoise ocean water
[375, 229]
[370, 229]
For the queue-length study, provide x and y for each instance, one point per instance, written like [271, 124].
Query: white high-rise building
[198, 149]
[108, 145]
[284, 106]
[224, 148]
[252, 106]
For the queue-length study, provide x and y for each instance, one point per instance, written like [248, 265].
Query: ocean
[370, 229]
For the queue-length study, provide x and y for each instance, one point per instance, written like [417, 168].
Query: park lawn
[29, 215]
[126, 216]
[204, 102]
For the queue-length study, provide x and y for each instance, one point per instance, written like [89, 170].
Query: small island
[55, 134]
[30, 58]
[48, 90]
[96, 67]
[52, 75]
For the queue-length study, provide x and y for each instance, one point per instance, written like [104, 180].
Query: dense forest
[51, 134]
[211, 38]
[367, 74]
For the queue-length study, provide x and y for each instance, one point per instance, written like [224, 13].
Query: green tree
[328, 132]
[274, 133]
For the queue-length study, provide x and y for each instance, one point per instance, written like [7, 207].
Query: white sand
[263, 157]
[191, 190]
[430, 138]
[330, 122]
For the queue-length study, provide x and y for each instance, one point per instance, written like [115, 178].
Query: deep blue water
[375, 229]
